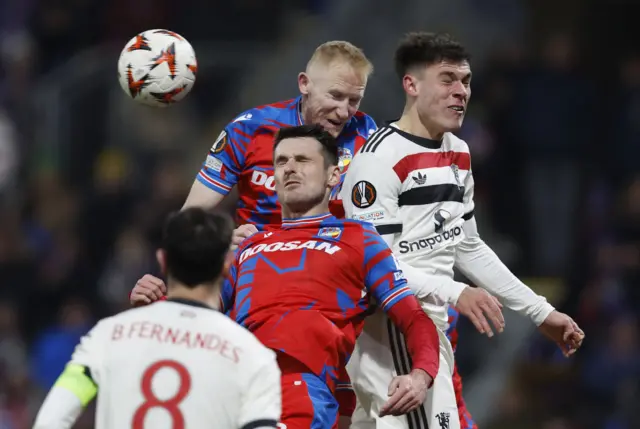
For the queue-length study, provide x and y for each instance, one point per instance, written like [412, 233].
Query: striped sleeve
[370, 192]
[383, 279]
[226, 158]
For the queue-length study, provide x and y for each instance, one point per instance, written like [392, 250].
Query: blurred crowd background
[87, 176]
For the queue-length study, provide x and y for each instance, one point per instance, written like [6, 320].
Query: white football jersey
[418, 193]
[177, 364]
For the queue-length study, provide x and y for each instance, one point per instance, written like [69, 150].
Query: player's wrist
[542, 313]
[454, 292]
[422, 377]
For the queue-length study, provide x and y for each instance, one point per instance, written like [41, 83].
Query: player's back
[176, 364]
[243, 156]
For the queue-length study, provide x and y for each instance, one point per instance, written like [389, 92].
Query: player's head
[306, 168]
[333, 85]
[436, 76]
[195, 248]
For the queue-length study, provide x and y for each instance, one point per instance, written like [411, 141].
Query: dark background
[86, 175]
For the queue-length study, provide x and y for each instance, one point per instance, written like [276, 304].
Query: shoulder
[358, 225]
[353, 227]
[455, 144]
[262, 117]
[384, 143]
[382, 150]
[363, 124]
[131, 314]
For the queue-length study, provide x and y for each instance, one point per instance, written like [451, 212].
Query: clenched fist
[241, 233]
[147, 290]
[564, 331]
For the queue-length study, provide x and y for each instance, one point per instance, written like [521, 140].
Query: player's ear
[228, 261]
[410, 85]
[303, 83]
[334, 176]
[161, 256]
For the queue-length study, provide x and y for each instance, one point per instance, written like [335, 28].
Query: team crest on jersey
[331, 232]
[344, 158]
[456, 174]
[363, 194]
[220, 143]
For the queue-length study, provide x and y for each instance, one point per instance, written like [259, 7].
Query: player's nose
[342, 113]
[460, 90]
[289, 167]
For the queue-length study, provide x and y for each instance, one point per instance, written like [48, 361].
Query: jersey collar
[305, 220]
[190, 302]
[422, 141]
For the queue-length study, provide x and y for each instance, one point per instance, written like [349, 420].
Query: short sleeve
[226, 158]
[370, 194]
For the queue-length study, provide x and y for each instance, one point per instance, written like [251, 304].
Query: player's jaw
[453, 114]
[334, 125]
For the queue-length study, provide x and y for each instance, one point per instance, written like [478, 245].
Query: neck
[296, 213]
[206, 293]
[413, 123]
[304, 112]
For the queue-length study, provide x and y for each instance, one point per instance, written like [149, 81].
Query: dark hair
[196, 243]
[328, 142]
[423, 49]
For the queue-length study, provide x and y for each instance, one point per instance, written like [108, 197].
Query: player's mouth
[334, 123]
[291, 184]
[458, 108]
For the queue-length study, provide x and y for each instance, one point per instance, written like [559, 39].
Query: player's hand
[479, 306]
[406, 393]
[564, 331]
[147, 290]
[241, 233]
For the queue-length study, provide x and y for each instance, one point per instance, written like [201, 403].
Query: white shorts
[381, 354]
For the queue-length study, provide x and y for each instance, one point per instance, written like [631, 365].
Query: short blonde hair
[340, 50]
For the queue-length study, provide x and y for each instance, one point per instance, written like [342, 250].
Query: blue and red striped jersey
[242, 156]
[303, 288]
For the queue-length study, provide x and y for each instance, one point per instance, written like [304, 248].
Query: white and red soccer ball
[157, 68]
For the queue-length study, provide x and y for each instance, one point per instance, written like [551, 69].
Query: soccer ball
[157, 68]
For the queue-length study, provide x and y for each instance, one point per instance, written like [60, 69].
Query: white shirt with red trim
[419, 194]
